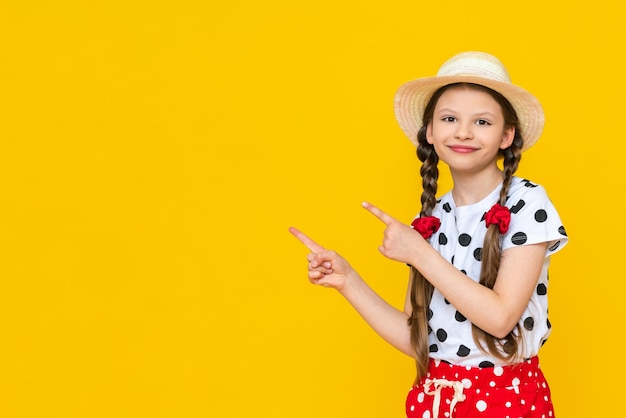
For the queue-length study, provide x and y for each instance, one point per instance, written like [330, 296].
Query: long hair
[421, 289]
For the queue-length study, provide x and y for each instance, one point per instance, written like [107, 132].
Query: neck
[472, 188]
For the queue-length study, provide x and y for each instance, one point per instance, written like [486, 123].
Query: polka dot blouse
[460, 238]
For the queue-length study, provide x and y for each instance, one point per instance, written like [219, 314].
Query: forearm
[484, 307]
[387, 321]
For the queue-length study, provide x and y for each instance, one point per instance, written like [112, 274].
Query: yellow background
[153, 155]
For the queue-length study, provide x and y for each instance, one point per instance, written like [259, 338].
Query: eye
[483, 122]
[448, 119]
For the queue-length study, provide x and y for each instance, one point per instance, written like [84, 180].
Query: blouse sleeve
[534, 219]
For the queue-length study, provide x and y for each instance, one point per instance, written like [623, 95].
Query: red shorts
[515, 391]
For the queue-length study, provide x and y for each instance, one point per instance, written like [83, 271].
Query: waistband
[459, 378]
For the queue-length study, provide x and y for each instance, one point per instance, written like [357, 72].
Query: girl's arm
[329, 269]
[496, 310]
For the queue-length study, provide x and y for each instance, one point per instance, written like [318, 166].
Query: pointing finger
[386, 219]
[308, 242]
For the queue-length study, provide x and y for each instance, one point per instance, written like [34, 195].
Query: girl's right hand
[326, 267]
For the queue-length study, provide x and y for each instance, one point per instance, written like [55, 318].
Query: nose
[464, 132]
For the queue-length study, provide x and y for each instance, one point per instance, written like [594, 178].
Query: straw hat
[468, 67]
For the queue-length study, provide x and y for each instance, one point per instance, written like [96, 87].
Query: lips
[462, 149]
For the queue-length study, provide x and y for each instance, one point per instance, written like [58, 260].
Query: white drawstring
[439, 384]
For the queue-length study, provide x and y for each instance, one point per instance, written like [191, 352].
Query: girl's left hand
[400, 241]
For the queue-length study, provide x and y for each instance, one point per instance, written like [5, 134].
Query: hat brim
[412, 97]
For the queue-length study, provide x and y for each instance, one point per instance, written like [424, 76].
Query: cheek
[437, 135]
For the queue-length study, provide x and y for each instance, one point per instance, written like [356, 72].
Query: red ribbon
[426, 225]
[498, 215]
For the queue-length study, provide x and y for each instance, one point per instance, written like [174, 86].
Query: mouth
[462, 149]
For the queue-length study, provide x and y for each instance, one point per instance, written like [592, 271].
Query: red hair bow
[498, 215]
[426, 226]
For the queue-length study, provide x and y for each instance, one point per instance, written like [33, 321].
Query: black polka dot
[548, 323]
[485, 364]
[478, 254]
[527, 183]
[519, 205]
[562, 231]
[443, 240]
[529, 323]
[452, 260]
[446, 301]
[429, 313]
[543, 342]
[447, 207]
[554, 246]
[465, 239]
[542, 289]
[430, 330]
[541, 215]
[433, 348]
[519, 238]
[459, 316]
[464, 272]
[463, 351]
[442, 335]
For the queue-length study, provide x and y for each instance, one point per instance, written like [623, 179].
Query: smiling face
[468, 130]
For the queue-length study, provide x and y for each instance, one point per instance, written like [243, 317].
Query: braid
[512, 157]
[491, 255]
[429, 172]
[421, 289]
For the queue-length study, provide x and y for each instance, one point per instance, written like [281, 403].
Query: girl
[476, 308]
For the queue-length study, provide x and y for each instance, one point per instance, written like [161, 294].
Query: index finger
[308, 242]
[386, 219]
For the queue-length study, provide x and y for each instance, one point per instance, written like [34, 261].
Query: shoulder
[534, 218]
[527, 198]
[524, 194]
[524, 187]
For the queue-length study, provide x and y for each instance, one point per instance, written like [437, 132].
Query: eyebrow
[447, 110]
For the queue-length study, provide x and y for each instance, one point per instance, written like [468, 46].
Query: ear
[429, 133]
[507, 137]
